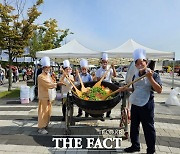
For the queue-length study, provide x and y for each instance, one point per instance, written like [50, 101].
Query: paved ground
[18, 126]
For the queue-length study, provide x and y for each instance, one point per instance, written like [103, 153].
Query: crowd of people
[2, 75]
[27, 73]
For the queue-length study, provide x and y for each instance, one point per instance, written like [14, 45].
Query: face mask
[46, 70]
[69, 72]
[104, 64]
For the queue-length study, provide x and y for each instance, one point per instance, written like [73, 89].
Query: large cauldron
[97, 108]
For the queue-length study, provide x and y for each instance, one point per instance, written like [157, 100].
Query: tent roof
[126, 50]
[72, 49]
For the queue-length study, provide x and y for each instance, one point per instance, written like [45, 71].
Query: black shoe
[131, 149]
[79, 115]
[102, 118]
[86, 115]
[63, 119]
[151, 152]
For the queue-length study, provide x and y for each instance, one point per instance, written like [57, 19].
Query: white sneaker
[42, 131]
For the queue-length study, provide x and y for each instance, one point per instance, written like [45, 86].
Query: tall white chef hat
[139, 54]
[84, 63]
[45, 61]
[66, 63]
[105, 56]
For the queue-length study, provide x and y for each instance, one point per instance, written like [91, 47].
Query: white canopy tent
[73, 49]
[126, 51]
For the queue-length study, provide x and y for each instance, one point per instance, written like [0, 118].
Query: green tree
[15, 30]
[47, 36]
[36, 42]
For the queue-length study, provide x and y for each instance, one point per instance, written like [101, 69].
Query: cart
[95, 108]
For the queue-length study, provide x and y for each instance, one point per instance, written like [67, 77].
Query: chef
[66, 86]
[86, 77]
[45, 82]
[100, 72]
[142, 100]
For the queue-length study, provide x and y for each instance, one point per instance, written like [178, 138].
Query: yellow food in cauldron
[96, 93]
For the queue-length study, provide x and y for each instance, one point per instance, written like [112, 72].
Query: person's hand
[77, 72]
[123, 89]
[112, 65]
[149, 73]
[62, 83]
[55, 85]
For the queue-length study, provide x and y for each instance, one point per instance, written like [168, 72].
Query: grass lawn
[10, 94]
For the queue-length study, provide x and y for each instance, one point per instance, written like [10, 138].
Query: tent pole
[55, 64]
[173, 72]
[35, 82]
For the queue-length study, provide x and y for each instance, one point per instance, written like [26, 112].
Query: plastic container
[24, 100]
[24, 94]
[32, 93]
[173, 99]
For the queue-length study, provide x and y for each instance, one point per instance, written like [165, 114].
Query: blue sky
[106, 24]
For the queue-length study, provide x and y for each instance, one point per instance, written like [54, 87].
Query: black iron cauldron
[97, 108]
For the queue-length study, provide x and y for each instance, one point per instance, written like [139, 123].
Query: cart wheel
[121, 124]
[67, 119]
[126, 134]
[68, 123]
[72, 122]
[69, 114]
